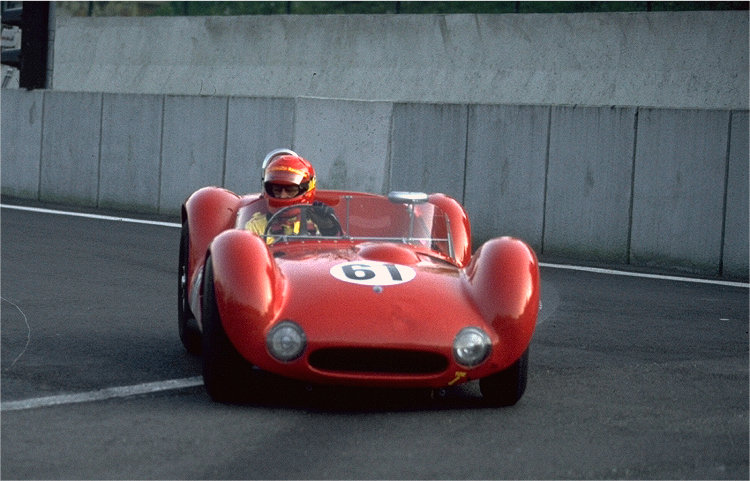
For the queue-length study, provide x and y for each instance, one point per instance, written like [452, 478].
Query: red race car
[393, 298]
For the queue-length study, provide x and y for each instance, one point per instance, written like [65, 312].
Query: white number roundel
[372, 273]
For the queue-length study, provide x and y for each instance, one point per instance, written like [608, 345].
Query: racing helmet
[291, 174]
[269, 157]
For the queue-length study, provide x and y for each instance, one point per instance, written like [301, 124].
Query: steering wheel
[324, 219]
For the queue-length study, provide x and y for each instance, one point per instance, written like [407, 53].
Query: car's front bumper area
[396, 367]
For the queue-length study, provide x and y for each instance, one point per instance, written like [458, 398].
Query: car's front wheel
[226, 374]
[190, 334]
[506, 387]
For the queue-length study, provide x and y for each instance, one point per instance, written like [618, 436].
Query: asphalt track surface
[629, 377]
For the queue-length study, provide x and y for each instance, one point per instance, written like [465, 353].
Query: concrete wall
[615, 138]
[657, 59]
[665, 188]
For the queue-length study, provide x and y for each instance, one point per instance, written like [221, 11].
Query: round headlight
[471, 346]
[286, 341]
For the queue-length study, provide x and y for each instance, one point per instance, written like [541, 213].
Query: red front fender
[249, 287]
[504, 283]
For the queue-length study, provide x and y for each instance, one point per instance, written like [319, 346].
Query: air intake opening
[383, 361]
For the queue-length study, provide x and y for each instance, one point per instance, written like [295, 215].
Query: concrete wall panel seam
[737, 215]
[546, 179]
[388, 185]
[41, 148]
[466, 158]
[632, 186]
[161, 152]
[293, 143]
[99, 154]
[226, 139]
[726, 194]
[389, 154]
[161, 149]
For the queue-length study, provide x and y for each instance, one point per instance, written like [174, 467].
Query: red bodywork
[353, 327]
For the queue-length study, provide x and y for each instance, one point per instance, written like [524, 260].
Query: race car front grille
[378, 361]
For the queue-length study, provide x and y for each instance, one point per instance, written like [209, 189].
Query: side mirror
[410, 198]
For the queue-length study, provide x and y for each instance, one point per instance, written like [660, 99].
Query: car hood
[376, 295]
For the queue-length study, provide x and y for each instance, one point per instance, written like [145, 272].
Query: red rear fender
[504, 282]
[209, 211]
[459, 225]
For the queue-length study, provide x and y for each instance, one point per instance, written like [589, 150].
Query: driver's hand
[323, 215]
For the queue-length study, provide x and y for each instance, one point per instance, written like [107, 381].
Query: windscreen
[374, 218]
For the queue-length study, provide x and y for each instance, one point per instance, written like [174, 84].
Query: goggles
[291, 190]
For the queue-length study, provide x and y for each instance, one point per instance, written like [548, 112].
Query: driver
[289, 180]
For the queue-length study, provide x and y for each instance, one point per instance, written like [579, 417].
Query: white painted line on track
[89, 216]
[101, 394]
[542, 264]
[643, 275]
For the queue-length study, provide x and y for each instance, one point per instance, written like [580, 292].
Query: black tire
[506, 387]
[227, 375]
[190, 333]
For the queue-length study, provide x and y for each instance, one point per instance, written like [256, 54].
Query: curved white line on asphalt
[28, 331]
[101, 394]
